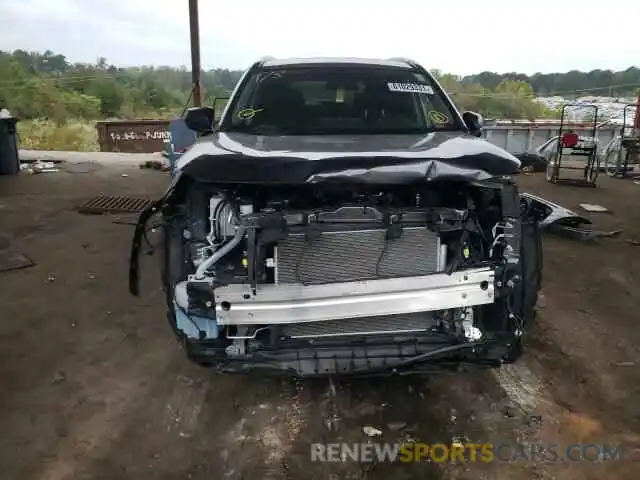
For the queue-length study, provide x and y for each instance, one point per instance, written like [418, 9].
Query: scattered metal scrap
[116, 204]
[562, 221]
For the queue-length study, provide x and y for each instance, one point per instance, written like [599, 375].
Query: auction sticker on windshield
[248, 113]
[438, 118]
[410, 88]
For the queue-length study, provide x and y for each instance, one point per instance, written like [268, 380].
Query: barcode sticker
[410, 88]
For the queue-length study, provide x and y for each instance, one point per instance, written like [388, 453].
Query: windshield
[340, 100]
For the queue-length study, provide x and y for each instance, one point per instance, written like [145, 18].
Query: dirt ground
[94, 386]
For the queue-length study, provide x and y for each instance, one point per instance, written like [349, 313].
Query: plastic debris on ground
[371, 431]
[589, 207]
[39, 167]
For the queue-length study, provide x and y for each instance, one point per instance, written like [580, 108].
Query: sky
[461, 37]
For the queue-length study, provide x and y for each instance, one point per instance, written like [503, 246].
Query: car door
[548, 149]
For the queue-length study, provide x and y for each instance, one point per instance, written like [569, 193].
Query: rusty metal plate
[105, 204]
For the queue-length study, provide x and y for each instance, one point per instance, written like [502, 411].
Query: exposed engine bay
[323, 279]
[317, 239]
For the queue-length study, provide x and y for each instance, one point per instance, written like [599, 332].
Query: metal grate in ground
[117, 204]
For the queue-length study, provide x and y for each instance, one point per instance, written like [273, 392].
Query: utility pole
[194, 28]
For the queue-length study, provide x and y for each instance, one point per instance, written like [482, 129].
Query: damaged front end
[319, 279]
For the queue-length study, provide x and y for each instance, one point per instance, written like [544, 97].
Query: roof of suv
[396, 63]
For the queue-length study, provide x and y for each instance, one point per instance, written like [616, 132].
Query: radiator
[343, 256]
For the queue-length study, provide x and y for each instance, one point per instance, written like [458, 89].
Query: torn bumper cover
[561, 221]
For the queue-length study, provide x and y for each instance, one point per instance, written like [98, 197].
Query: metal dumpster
[9, 159]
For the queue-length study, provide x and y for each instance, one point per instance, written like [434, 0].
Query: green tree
[46, 84]
[110, 94]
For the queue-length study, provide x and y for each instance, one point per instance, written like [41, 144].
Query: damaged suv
[343, 217]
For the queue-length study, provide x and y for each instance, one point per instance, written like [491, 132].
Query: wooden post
[196, 78]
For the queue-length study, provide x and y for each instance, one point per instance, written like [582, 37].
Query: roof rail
[264, 59]
[408, 61]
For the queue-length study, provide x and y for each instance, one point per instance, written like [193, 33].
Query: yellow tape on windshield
[438, 117]
[248, 113]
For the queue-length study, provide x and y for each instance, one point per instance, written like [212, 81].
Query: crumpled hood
[365, 159]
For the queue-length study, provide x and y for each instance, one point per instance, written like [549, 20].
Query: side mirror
[474, 122]
[200, 119]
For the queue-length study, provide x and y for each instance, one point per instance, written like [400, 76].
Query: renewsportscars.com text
[472, 452]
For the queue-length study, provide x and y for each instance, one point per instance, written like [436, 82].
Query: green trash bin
[9, 160]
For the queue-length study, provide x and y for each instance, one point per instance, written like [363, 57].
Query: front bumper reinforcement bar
[295, 303]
